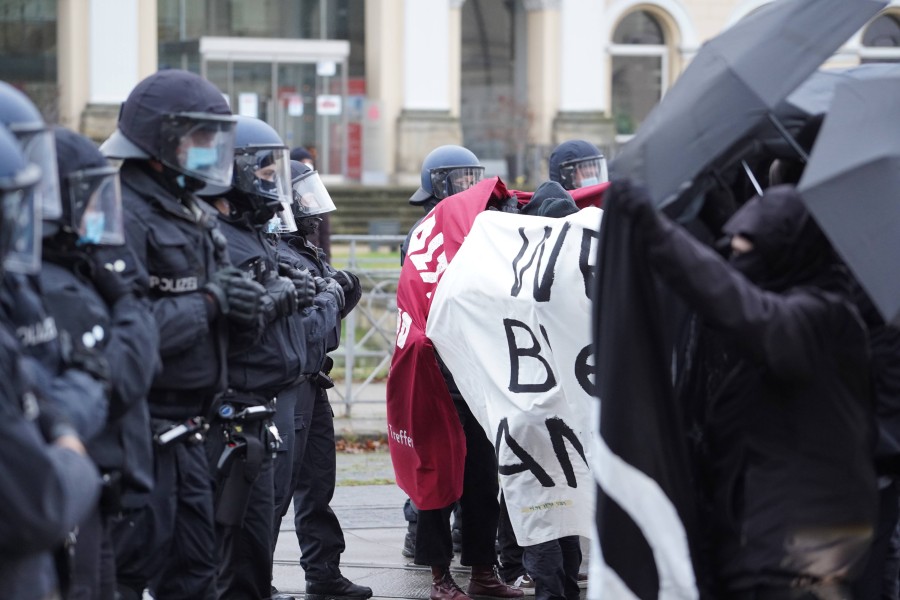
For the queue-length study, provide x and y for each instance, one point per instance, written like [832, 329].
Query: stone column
[384, 86]
[543, 58]
[118, 49]
[584, 77]
[430, 80]
[71, 59]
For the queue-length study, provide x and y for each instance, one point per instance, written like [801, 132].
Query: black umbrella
[733, 83]
[851, 186]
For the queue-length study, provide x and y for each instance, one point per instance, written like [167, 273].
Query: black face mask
[308, 225]
[752, 266]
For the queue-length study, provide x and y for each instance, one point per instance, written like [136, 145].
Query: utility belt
[248, 436]
[167, 432]
[322, 378]
[178, 404]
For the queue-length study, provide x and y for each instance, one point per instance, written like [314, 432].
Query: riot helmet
[19, 221]
[447, 170]
[261, 185]
[24, 121]
[576, 164]
[183, 121]
[90, 192]
[311, 199]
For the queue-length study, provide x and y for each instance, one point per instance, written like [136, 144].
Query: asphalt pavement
[369, 506]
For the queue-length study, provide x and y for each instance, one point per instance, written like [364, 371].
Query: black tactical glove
[109, 265]
[76, 355]
[303, 282]
[237, 296]
[332, 287]
[348, 282]
[283, 294]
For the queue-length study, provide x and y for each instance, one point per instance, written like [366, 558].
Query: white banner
[511, 318]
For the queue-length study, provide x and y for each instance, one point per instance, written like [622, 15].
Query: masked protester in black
[176, 136]
[86, 266]
[306, 468]
[788, 429]
[50, 483]
[241, 440]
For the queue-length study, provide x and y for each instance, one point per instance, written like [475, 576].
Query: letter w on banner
[425, 437]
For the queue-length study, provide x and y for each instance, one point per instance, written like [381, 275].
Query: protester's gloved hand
[348, 282]
[283, 294]
[332, 287]
[303, 282]
[629, 198]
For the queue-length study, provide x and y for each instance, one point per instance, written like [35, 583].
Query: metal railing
[369, 331]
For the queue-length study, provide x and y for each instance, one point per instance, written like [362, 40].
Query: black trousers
[94, 573]
[312, 465]
[511, 566]
[170, 545]
[554, 568]
[245, 548]
[478, 506]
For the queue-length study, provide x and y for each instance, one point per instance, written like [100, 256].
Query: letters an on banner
[511, 319]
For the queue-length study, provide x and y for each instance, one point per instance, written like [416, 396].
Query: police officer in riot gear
[447, 170]
[35, 137]
[176, 136]
[576, 164]
[242, 439]
[50, 484]
[85, 266]
[306, 469]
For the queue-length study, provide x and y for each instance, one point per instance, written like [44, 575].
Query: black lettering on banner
[542, 283]
[534, 352]
[528, 463]
[588, 270]
[585, 372]
[559, 433]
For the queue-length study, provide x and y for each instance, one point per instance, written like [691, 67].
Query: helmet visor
[199, 145]
[583, 172]
[24, 252]
[311, 196]
[283, 221]
[264, 171]
[39, 147]
[453, 180]
[99, 193]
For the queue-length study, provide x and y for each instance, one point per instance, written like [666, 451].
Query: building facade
[374, 85]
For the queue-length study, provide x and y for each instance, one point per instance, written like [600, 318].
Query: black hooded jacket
[788, 418]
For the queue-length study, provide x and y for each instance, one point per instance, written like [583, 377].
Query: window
[881, 40]
[28, 51]
[639, 65]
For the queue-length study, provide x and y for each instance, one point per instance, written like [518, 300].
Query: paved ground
[369, 506]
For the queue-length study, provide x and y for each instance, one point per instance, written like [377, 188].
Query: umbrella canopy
[733, 83]
[852, 186]
[814, 95]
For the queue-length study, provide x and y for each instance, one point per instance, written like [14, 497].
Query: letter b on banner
[517, 353]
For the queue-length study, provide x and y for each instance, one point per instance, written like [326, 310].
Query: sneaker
[336, 588]
[524, 583]
[409, 545]
[444, 587]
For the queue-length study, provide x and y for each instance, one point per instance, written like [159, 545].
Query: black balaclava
[789, 249]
